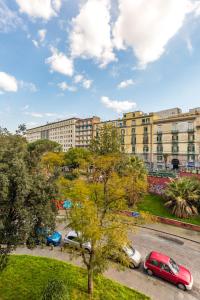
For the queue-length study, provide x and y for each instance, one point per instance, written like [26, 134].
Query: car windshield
[129, 250]
[173, 266]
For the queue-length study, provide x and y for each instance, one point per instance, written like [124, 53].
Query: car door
[73, 241]
[167, 274]
[155, 266]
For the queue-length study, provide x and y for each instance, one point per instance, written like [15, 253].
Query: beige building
[73, 132]
[177, 139]
[165, 134]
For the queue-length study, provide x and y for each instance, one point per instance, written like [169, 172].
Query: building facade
[176, 140]
[167, 138]
[73, 132]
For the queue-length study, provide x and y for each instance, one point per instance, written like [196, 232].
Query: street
[182, 251]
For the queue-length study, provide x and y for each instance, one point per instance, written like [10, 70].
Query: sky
[65, 58]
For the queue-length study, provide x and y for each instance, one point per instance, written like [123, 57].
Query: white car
[72, 239]
[134, 256]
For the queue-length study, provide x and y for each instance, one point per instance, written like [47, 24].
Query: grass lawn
[155, 205]
[25, 278]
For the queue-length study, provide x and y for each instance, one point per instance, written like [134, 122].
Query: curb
[175, 235]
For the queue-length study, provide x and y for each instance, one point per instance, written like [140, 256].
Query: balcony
[174, 130]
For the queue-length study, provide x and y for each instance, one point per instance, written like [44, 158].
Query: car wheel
[181, 286]
[149, 272]
[131, 265]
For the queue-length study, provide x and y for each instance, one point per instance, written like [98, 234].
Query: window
[133, 122]
[145, 129]
[145, 149]
[166, 268]
[159, 148]
[175, 137]
[122, 131]
[175, 148]
[159, 138]
[154, 263]
[133, 149]
[133, 130]
[159, 158]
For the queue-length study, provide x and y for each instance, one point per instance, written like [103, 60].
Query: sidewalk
[177, 231]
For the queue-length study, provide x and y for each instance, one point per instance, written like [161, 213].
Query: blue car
[54, 239]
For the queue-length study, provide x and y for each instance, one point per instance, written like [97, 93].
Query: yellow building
[176, 140]
[165, 135]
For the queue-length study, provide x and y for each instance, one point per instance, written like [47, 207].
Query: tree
[76, 158]
[38, 148]
[94, 215]
[107, 140]
[183, 196]
[21, 129]
[25, 196]
[52, 162]
[134, 175]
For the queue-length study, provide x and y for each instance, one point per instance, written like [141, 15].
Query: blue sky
[65, 58]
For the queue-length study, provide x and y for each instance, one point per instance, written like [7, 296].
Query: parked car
[54, 239]
[72, 239]
[165, 267]
[134, 256]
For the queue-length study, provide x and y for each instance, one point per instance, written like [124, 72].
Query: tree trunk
[90, 282]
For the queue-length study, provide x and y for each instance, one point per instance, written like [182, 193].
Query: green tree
[95, 218]
[39, 148]
[25, 195]
[76, 158]
[134, 175]
[107, 140]
[183, 196]
[21, 129]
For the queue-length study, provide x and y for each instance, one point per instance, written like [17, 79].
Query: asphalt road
[184, 252]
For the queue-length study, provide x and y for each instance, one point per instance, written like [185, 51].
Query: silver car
[71, 239]
[134, 256]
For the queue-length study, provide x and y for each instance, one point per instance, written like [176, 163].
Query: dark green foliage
[25, 195]
[39, 148]
[55, 290]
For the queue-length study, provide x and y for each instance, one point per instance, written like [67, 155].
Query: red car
[163, 266]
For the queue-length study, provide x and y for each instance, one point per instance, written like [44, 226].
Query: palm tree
[183, 196]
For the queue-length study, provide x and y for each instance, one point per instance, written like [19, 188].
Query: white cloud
[125, 83]
[60, 63]
[44, 9]
[91, 32]
[29, 86]
[40, 115]
[147, 26]
[64, 86]
[118, 106]
[8, 83]
[86, 83]
[35, 43]
[189, 45]
[9, 19]
[42, 34]
[78, 78]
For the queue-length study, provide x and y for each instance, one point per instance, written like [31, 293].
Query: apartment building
[167, 137]
[85, 131]
[73, 132]
[176, 140]
[155, 137]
